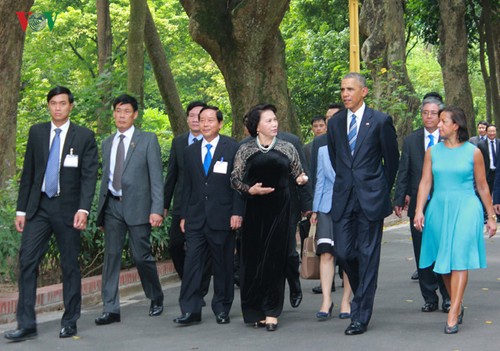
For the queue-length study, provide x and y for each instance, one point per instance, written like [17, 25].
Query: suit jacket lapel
[46, 139]
[136, 137]
[363, 129]
[343, 129]
[217, 154]
[106, 150]
[421, 144]
[68, 142]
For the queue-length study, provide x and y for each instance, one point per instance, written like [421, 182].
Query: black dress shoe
[271, 327]
[414, 276]
[107, 318]
[188, 318]
[295, 299]
[429, 307]
[156, 308]
[67, 332]
[355, 328]
[445, 306]
[222, 318]
[20, 334]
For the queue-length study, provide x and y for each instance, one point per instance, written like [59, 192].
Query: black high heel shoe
[259, 324]
[270, 327]
[460, 318]
[451, 329]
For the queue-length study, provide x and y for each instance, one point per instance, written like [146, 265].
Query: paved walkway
[397, 322]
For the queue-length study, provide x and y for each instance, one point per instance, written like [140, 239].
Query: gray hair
[432, 100]
[358, 76]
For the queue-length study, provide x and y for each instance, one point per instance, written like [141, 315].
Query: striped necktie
[351, 135]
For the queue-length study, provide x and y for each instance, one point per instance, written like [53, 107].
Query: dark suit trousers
[427, 279]
[34, 244]
[358, 242]
[293, 260]
[176, 248]
[115, 229]
[221, 249]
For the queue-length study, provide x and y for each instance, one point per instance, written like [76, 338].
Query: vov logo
[37, 20]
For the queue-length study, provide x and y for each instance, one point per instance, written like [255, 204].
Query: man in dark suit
[409, 174]
[318, 127]
[364, 153]
[481, 133]
[57, 186]
[489, 148]
[210, 212]
[130, 200]
[173, 189]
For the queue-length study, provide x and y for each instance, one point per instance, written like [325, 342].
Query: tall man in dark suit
[364, 154]
[57, 186]
[173, 189]
[489, 148]
[130, 200]
[409, 174]
[211, 210]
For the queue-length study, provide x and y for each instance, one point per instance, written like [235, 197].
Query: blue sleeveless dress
[453, 236]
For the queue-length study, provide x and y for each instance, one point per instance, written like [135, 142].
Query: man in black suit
[210, 212]
[173, 189]
[364, 153]
[481, 133]
[318, 127]
[130, 201]
[405, 197]
[57, 186]
[489, 148]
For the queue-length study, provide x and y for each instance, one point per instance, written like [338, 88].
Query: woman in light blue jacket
[322, 205]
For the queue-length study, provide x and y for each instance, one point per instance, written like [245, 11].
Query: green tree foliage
[316, 33]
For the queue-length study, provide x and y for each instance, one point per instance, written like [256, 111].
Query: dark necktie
[431, 141]
[119, 160]
[351, 135]
[208, 159]
[52, 170]
[493, 153]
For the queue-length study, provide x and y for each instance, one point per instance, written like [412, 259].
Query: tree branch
[80, 57]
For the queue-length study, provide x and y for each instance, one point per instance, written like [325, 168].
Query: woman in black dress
[262, 171]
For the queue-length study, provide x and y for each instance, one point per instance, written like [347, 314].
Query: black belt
[114, 197]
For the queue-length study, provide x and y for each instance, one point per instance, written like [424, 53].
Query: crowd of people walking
[260, 187]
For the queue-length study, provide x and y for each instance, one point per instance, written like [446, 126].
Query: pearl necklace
[265, 149]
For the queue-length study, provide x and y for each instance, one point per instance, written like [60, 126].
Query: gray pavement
[397, 323]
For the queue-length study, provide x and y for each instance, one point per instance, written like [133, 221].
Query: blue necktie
[351, 135]
[52, 170]
[208, 159]
[431, 141]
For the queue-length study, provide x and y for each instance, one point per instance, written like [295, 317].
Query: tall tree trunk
[164, 77]
[11, 54]
[135, 51]
[104, 52]
[384, 52]
[491, 21]
[244, 40]
[484, 69]
[453, 57]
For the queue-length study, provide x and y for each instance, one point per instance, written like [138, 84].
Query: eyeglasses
[430, 113]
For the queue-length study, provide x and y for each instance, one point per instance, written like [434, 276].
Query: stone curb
[50, 298]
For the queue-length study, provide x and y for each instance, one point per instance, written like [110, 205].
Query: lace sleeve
[289, 151]
[239, 169]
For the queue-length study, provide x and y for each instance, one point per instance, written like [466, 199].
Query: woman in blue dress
[452, 238]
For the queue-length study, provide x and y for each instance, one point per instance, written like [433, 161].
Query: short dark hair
[433, 94]
[58, 90]
[194, 104]
[491, 125]
[126, 99]
[483, 123]
[318, 118]
[252, 118]
[458, 117]
[338, 105]
[214, 108]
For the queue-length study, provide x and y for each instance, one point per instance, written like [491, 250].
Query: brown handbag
[309, 268]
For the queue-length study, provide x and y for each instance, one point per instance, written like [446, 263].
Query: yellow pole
[354, 32]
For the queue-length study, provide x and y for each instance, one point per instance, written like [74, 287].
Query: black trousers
[221, 249]
[177, 250]
[34, 245]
